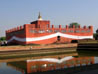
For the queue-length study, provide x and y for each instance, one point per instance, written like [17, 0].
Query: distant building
[41, 32]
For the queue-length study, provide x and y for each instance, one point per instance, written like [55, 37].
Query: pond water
[82, 62]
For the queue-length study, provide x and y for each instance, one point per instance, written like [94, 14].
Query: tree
[97, 31]
[2, 38]
[76, 25]
[96, 35]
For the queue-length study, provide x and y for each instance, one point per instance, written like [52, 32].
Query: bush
[2, 38]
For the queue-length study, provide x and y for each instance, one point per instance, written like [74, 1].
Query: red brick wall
[24, 32]
[68, 63]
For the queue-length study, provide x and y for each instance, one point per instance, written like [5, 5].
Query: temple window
[83, 31]
[33, 67]
[56, 30]
[88, 30]
[33, 31]
[63, 31]
[84, 61]
[47, 25]
[49, 65]
[77, 31]
[49, 31]
[89, 60]
[70, 31]
[41, 31]
[72, 62]
[43, 66]
[78, 61]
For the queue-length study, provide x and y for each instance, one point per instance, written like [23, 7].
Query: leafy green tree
[2, 38]
[95, 35]
[97, 31]
[76, 25]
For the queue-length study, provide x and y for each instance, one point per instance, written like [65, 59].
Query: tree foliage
[97, 31]
[95, 35]
[75, 23]
[2, 38]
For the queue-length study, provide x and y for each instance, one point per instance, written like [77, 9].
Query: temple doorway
[58, 38]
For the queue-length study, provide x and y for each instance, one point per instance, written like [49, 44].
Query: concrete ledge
[35, 47]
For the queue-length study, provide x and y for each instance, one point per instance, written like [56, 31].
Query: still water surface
[80, 63]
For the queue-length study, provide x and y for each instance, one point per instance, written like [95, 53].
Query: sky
[15, 13]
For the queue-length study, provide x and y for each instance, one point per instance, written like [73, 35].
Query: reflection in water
[4, 69]
[71, 63]
[50, 64]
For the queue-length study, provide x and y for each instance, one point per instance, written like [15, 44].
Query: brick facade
[41, 32]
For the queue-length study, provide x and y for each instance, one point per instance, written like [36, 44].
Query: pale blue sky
[14, 13]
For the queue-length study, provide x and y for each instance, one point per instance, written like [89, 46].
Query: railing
[53, 28]
[58, 30]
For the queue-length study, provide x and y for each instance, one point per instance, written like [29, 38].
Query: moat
[77, 62]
